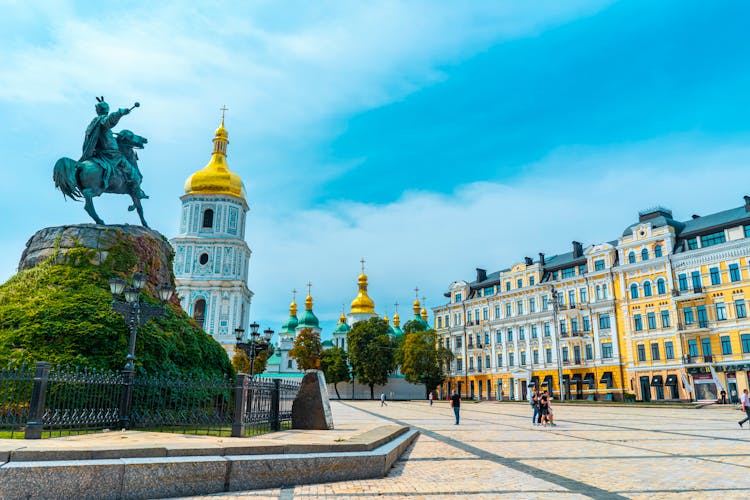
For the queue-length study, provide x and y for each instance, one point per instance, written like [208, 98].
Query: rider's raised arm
[114, 117]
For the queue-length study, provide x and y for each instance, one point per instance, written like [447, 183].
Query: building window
[665, 319]
[546, 329]
[531, 281]
[604, 321]
[715, 276]
[695, 277]
[574, 325]
[534, 332]
[651, 320]
[631, 258]
[692, 243]
[519, 307]
[508, 310]
[532, 305]
[657, 251]
[669, 349]
[706, 346]
[199, 312]
[688, 312]
[471, 364]
[554, 275]
[747, 231]
[571, 297]
[604, 291]
[289, 363]
[734, 272]
[545, 303]
[476, 316]
[655, 351]
[535, 356]
[581, 269]
[682, 281]
[510, 335]
[499, 360]
[661, 286]
[488, 290]
[647, 289]
[633, 291]
[568, 272]
[523, 358]
[485, 313]
[739, 308]
[519, 283]
[692, 347]
[511, 361]
[726, 345]
[487, 361]
[644, 254]
[459, 364]
[208, 219]
[702, 317]
[713, 239]
[721, 311]
[607, 350]
[499, 336]
[745, 339]
[203, 259]
[507, 286]
[487, 338]
[458, 343]
[440, 322]
[599, 265]
[563, 327]
[583, 295]
[548, 352]
[521, 333]
[586, 324]
[638, 322]
[589, 351]
[457, 297]
[598, 292]
[565, 354]
[497, 312]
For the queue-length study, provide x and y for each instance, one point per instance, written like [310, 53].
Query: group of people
[540, 403]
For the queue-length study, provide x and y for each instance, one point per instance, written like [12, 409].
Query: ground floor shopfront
[598, 383]
[691, 383]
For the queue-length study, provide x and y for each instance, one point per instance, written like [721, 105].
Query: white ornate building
[211, 255]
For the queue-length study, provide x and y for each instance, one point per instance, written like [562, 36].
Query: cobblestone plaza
[594, 452]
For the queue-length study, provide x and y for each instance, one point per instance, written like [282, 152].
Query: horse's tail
[64, 175]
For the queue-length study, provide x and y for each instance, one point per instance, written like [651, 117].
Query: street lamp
[135, 313]
[555, 308]
[256, 344]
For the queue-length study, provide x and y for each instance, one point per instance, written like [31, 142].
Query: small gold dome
[215, 177]
[424, 314]
[387, 321]
[416, 307]
[308, 303]
[396, 320]
[362, 303]
[293, 309]
[342, 318]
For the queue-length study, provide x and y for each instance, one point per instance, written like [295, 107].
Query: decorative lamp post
[135, 313]
[555, 308]
[256, 344]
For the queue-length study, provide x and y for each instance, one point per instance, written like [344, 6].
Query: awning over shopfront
[566, 379]
[547, 381]
[576, 378]
[534, 381]
[671, 380]
[589, 380]
[657, 381]
[606, 379]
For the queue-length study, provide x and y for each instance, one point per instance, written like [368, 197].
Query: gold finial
[309, 286]
[416, 306]
[308, 299]
[423, 312]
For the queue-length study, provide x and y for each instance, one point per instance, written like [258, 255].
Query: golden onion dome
[417, 307]
[423, 313]
[293, 309]
[387, 321]
[396, 320]
[362, 303]
[342, 318]
[215, 177]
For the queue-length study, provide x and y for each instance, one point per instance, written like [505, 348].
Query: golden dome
[342, 318]
[396, 320]
[293, 309]
[416, 307]
[387, 321]
[215, 177]
[308, 303]
[362, 304]
[424, 314]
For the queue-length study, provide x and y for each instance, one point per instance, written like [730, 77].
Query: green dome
[275, 359]
[309, 320]
[327, 343]
[290, 326]
[397, 332]
[342, 328]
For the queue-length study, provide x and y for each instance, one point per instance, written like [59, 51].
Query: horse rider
[100, 146]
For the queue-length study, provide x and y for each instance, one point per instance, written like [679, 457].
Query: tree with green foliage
[423, 361]
[307, 349]
[335, 367]
[241, 362]
[414, 325]
[371, 353]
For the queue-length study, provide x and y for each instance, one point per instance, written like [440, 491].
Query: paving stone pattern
[594, 452]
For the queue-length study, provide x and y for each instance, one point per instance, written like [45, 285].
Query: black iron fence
[46, 401]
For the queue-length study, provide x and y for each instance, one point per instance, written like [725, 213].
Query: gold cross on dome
[294, 294]
[363, 265]
[223, 109]
[396, 306]
[416, 293]
[309, 286]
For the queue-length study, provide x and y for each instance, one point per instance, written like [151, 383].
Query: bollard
[36, 407]
[240, 405]
[275, 404]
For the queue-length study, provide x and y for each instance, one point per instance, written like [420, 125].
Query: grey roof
[563, 260]
[659, 221]
[717, 220]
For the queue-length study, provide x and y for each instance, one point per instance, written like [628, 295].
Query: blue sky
[428, 137]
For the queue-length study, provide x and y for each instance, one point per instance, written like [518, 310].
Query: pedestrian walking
[534, 401]
[543, 408]
[382, 399]
[430, 397]
[456, 404]
[745, 402]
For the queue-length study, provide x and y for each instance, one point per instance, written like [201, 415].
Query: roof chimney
[696, 216]
[541, 259]
[577, 250]
[747, 203]
[481, 274]
[528, 260]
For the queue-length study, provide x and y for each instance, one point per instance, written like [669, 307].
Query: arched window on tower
[657, 251]
[633, 291]
[631, 258]
[199, 312]
[644, 254]
[647, 289]
[208, 219]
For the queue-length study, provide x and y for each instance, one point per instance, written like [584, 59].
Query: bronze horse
[85, 179]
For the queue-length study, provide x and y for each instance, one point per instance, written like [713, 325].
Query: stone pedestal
[311, 408]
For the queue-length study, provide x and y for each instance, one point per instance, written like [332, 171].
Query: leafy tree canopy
[307, 349]
[335, 367]
[422, 360]
[371, 352]
[414, 325]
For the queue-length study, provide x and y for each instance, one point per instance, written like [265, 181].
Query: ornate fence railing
[46, 401]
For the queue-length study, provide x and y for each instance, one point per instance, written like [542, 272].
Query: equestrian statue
[109, 163]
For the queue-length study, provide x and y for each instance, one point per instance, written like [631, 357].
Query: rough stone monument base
[311, 408]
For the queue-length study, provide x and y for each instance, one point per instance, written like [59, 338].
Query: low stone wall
[396, 389]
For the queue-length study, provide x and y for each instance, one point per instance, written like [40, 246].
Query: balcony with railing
[689, 293]
[694, 326]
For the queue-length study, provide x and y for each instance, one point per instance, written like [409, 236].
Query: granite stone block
[173, 476]
[311, 408]
[80, 479]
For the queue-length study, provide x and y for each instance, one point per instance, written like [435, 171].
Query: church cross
[294, 294]
[309, 285]
[396, 306]
[223, 109]
[416, 292]
[363, 265]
